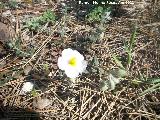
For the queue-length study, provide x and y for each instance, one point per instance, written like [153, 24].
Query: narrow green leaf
[131, 43]
[132, 39]
[129, 58]
[151, 89]
[118, 62]
[153, 80]
[136, 82]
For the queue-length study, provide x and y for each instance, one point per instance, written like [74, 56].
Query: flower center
[72, 62]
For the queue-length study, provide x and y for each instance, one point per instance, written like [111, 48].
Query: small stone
[7, 33]
[41, 103]
[4, 33]
[27, 70]
[6, 13]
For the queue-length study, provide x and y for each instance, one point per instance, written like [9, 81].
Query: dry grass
[83, 100]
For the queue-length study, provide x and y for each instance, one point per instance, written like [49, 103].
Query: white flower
[72, 62]
[27, 87]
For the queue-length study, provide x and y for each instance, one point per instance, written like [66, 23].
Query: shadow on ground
[15, 113]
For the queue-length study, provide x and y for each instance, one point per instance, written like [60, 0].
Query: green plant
[95, 14]
[153, 80]
[108, 79]
[128, 49]
[34, 92]
[33, 24]
[145, 80]
[129, 46]
[13, 4]
[2, 5]
[112, 77]
[15, 46]
[151, 89]
[98, 14]
[47, 17]
[117, 61]
[121, 71]
[100, 11]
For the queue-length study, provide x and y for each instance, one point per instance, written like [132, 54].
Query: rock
[27, 70]
[6, 31]
[6, 34]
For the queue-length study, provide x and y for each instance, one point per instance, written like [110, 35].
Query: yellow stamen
[72, 61]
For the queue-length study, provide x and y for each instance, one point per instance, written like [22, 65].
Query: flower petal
[84, 65]
[78, 55]
[81, 67]
[81, 63]
[71, 73]
[61, 63]
[67, 53]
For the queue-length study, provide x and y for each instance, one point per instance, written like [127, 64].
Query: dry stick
[82, 98]
[13, 96]
[110, 107]
[136, 113]
[97, 113]
[38, 59]
[16, 93]
[102, 118]
[91, 109]
[50, 110]
[41, 47]
[81, 109]
[76, 113]
[151, 24]
[5, 58]
[61, 101]
[35, 96]
[143, 47]
[133, 100]
[87, 89]
[145, 112]
[158, 116]
[12, 65]
[39, 31]
[13, 82]
[129, 103]
[86, 102]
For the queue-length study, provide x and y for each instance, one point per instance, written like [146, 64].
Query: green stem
[151, 89]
